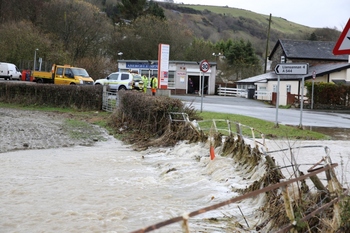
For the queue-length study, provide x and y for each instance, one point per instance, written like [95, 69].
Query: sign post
[204, 67]
[291, 69]
[312, 94]
[301, 102]
[277, 99]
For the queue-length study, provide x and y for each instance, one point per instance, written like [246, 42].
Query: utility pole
[267, 44]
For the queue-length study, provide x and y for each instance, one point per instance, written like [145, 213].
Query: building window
[149, 73]
[289, 88]
[274, 88]
[171, 79]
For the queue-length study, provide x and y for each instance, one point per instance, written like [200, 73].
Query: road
[261, 110]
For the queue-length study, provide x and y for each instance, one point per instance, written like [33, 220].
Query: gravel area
[24, 129]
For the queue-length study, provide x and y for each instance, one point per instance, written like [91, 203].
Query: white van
[9, 71]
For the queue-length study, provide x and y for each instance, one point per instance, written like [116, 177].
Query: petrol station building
[178, 74]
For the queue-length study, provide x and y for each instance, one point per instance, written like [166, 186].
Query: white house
[323, 65]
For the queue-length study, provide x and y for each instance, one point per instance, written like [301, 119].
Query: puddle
[335, 133]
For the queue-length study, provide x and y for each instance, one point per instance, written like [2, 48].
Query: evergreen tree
[241, 59]
[156, 10]
[131, 9]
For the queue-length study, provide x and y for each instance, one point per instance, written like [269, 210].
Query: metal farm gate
[110, 100]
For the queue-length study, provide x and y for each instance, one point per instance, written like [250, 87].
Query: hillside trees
[131, 9]
[18, 41]
[324, 34]
[18, 10]
[140, 40]
[199, 50]
[241, 61]
[155, 9]
[77, 32]
[78, 24]
[121, 12]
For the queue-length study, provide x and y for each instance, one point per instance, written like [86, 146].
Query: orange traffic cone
[212, 152]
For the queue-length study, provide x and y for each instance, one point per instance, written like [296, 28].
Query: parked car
[9, 71]
[138, 83]
[117, 81]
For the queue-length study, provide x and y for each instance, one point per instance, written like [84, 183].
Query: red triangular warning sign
[343, 44]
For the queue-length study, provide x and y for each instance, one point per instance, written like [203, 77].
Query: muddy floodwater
[109, 187]
[335, 133]
[51, 183]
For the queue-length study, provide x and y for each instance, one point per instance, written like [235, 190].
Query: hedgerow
[80, 97]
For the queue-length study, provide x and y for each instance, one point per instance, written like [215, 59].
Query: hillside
[217, 23]
[92, 33]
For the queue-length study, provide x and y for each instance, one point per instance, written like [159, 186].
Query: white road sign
[292, 68]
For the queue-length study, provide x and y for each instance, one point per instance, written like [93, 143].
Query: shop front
[179, 76]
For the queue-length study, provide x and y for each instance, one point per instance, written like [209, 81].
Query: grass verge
[259, 126]
[101, 119]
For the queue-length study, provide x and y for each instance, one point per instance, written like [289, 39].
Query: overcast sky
[312, 13]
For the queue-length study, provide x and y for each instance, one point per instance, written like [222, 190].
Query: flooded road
[334, 132]
[109, 187]
[49, 185]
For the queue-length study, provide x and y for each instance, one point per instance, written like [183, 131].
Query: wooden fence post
[289, 207]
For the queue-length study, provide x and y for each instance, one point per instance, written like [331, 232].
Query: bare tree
[18, 41]
[79, 25]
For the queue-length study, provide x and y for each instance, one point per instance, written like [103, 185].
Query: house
[178, 75]
[323, 65]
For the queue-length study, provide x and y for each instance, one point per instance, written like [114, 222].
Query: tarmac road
[261, 110]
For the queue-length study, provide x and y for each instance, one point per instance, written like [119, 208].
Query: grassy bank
[259, 126]
[247, 123]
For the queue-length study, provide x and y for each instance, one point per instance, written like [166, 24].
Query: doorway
[196, 82]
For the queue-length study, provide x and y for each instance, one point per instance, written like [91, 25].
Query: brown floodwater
[335, 133]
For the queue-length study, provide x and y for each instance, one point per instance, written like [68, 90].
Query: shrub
[72, 96]
[141, 118]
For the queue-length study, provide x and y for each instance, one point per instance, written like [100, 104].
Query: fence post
[289, 207]
[335, 189]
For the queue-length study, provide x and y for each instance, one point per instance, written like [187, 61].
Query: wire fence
[329, 202]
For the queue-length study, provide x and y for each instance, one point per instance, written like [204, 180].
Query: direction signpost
[291, 69]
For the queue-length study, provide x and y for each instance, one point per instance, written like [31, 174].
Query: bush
[72, 96]
[144, 118]
[329, 95]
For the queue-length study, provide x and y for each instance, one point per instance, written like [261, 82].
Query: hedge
[82, 97]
